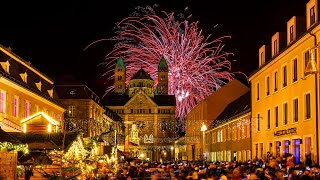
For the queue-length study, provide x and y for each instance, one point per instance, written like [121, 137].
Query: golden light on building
[51, 120]
[49, 128]
[24, 128]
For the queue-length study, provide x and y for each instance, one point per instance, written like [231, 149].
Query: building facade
[28, 102]
[284, 95]
[228, 137]
[148, 112]
[85, 111]
[204, 114]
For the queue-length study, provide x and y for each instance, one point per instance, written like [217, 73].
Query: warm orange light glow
[24, 128]
[49, 128]
[204, 127]
[51, 120]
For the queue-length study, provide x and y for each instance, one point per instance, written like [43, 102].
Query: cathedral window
[119, 77]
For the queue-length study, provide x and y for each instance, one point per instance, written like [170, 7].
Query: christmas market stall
[9, 148]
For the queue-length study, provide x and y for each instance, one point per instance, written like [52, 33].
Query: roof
[39, 117]
[163, 64]
[220, 99]
[235, 109]
[5, 137]
[116, 99]
[122, 99]
[141, 74]
[114, 116]
[31, 89]
[40, 141]
[120, 63]
[268, 61]
[8, 51]
[76, 91]
[165, 100]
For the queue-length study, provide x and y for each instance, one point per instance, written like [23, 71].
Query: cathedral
[148, 112]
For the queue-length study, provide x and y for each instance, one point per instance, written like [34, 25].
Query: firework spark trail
[197, 66]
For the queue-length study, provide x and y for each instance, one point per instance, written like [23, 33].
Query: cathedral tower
[162, 87]
[120, 77]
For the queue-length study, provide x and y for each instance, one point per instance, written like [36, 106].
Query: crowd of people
[282, 168]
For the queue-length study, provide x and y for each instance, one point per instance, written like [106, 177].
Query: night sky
[52, 35]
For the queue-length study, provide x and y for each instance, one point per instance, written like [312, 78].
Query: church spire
[120, 77]
[162, 87]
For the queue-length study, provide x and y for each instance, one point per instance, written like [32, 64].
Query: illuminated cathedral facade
[147, 110]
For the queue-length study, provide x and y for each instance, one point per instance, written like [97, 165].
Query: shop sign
[286, 131]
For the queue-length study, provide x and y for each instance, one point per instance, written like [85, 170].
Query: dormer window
[312, 16]
[50, 92]
[275, 47]
[291, 36]
[6, 66]
[24, 77]
[262, 55]
[39, 85]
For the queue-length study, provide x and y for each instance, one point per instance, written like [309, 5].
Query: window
[312, 16]
[15, 106]
[72, 111]
[295, 70]
[275, 47]
[284, 71]
[258, 92]
[306, 59]
[276, 116]
[275, 81]
[27, 109]
[291, 33]
[268, 85]
[258, 122]
[262, 58]
[308, 106]
[119, 77]
[295, 110]
[285, 113]
[3, 101]
[269, 118]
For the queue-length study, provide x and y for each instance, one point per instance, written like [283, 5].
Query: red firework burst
[197, 65]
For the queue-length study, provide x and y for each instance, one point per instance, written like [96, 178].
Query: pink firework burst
[197, 65]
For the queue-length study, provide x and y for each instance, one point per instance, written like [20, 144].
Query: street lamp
[203, 129]
[172, 154]
[312, 69]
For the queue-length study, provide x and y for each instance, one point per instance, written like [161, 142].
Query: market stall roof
[5, 137]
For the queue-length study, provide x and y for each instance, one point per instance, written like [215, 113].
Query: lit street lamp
[172, 154]
[203, 129]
